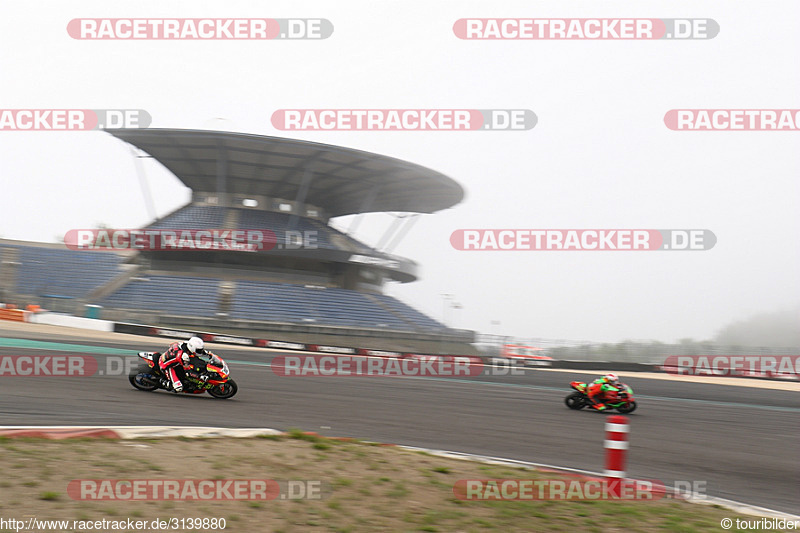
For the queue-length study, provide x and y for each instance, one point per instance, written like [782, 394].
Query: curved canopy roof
[341, 181]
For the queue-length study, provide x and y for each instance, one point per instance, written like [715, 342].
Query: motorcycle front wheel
[225, 390]
[627, 408]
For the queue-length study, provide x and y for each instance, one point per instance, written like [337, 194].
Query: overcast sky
[600, 156]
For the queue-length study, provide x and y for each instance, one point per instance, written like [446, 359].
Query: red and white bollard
[616, 446]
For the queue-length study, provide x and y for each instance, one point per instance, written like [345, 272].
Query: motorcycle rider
[180, 353]
[598, 389]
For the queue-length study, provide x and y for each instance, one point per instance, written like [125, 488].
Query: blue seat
[421, 320]
[63, 272]
[169, 294]
[260, 300]
[193, 217]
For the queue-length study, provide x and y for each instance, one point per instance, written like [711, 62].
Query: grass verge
[371, 488]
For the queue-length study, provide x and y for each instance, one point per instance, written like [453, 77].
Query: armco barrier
[172, 333]
[612, 366]
[599, 366]
[605, 366]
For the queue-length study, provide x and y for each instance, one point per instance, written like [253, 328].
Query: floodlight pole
[446, 298]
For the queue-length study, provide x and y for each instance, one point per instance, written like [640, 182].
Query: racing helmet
[611, 378]
[194, 344]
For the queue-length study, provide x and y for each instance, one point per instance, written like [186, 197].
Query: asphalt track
[743, 442]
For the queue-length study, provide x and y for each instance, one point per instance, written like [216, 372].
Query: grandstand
[332, 291]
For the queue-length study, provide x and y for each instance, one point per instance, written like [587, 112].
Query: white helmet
[611, 377]
[194, 344]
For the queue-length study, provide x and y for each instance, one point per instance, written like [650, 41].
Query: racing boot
[176, 386]
[174, 380]
[598, 406]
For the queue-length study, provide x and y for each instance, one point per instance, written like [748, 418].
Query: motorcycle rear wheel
[137, 379]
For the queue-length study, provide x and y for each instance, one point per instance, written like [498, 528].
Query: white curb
[738, 507]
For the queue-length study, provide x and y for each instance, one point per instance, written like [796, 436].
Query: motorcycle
[621, 400]
[149, 376]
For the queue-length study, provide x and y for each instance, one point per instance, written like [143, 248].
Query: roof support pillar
[222, 175]
[365, 207]
[408, 223]
[300, 198]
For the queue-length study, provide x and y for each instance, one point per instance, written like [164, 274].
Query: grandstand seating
[259, 300]
[63, 273]
[279, 223]
[192, 217]
[408, 313]
[269, 301]
[169, 294]
[327, 237]
[212, 217]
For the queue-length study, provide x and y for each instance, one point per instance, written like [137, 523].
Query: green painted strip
[60, 347]
[85, 348]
